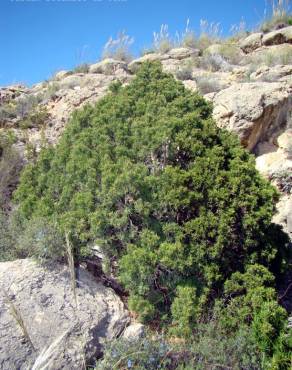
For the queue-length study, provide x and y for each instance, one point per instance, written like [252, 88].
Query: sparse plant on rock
[119, 48]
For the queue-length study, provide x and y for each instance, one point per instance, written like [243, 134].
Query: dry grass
[18, 318]
[70, 258]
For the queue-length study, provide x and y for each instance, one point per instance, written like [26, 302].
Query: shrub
[42, 239]
[184, 311]
[184, 73]
[162, 41]
[147, 353]
[119, 48]
[142, 307]
[81, 68]
[208, 84]
[279, 14]
[10, 166]
[214, 63]
[7, 241]
[166, 192]
[36, 118]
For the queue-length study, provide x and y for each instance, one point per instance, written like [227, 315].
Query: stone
[183, 53]
[44, 298]
[148, 57]
[285, 141]
[107, 66]
[280, 36]
[253, 110]
[251, 42]
[61, 74]
[134, 332]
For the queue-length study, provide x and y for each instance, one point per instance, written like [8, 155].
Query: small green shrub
[184, 311]
[10, 166]
[36, 118]
[142, 307]
[267, 325]
[150, 354]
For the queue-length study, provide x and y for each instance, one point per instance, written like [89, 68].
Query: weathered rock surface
[108, 66]
[280, 36]
[183, 53]
[45, 300]
[252, 42]
[134, 331]
[253, 110]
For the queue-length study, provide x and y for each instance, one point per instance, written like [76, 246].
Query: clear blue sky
[39, 37]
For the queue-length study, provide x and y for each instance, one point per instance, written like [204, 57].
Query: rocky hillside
[249, 82]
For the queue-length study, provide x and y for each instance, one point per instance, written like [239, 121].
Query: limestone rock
[280, 36]
[134, 331]
[251, 42]
[253, 110]
[44, 298]
[108, 66]
[183, 53]
[61, 74]
[148, 57]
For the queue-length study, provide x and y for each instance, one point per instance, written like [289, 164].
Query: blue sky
[40, 37]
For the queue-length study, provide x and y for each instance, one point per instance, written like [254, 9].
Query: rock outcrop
[63, 334]
[253, 111]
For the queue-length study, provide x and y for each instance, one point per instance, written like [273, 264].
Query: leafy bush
[208, 349]
[172, 197]
[147, 353]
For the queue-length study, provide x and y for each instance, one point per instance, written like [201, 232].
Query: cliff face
[248, 81]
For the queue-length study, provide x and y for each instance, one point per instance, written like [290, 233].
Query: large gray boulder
[62, 334]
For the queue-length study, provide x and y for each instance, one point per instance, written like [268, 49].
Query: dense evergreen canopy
[148, 175]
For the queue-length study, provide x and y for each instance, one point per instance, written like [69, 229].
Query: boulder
[61, 74]
[183, 53]
[253, 110]
[252, 42]
[108, 66]
[134, 331]
[148, 57]
[271, 74]
[61, 332]
[280, 36]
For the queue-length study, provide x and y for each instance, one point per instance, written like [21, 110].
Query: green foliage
[36, 118]
[143, 307]
[141, 354]
[6, 238]
[175, 199]
[10, 166]
[267, 325]
[208, 349]
[184, 311]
